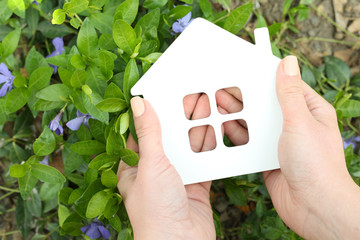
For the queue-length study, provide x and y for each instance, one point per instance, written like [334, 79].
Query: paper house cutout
[206, 58]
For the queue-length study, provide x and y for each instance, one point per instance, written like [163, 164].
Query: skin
[312, 192]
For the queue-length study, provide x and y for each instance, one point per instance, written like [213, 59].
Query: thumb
[289, 91]
[148, 131]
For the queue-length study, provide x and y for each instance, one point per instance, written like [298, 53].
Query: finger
[290, 93]
[190, 102]
[131, 144]
[237, 134]
[199, 192]
[228, 102]
[319, 108]
[202, 108]
[209, 140]
[148, 131]
[126, 178]
[235, 92]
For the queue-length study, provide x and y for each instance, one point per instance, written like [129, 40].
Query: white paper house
[206, 58]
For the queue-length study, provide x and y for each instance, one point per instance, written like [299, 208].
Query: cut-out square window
[229, 100]
[196, 106]
[202, 138]
[235, 133]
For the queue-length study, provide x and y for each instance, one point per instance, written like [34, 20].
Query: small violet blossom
[59, 48]
[35, 2]
[6, 78]
[45, 161]
[81, 118]
[95, 230]
[180, 24]
[55, 125]
[352, 140]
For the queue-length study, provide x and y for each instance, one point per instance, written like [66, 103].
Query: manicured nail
[137, 106]
[291, 66]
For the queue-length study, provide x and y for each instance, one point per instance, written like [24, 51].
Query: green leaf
[63, 214]
[101, 160]
[106, 42]
[16, 99]
[97, 204]
[349, 109]
[75, 195]
[58, 17]
[23, 217]
[40, 78]
[32, 18]
[17, 170]
[112, 206]
[206, 8]
[58, 60]
[337, 70]
[235, 194]
[109, 179]
[151, 4]
[65, 76]
[18, 7]
[286, 7]
[76, 6]
[131, 76]
[113, 91]
[112, 105]
[124, 36]
[97, 129]
[261, 21]
[147, 24]
[127, 11]
[90, 176]
[46, 173]
[19, 81]
[102, 22]
[54, 92]
[122, 123]
[10, 42]
[115, 142]
[75, 23]
[95, 80]
[26, 184]
[50, 191]
[43, 105]
[129, 157]
[179, 12]
[78, 62]
[5, 13]
[78, 78]
[89, 147]
[308, 76]
[34, 60]
[87, 40]
[83, 133]
[106, 64]
[90, 106]
[34, 204]
[45, 143]
[52, 31]
[238, 18]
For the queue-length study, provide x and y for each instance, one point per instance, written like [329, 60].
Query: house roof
[203, 49]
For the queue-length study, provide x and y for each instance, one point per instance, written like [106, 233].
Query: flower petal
[4, 89]
[93, 233]
[3, 78]
[84, 229]
[187, 18]
[104, 232]
[79, 114]
[4, 70]
[176, 27]
[75, 123]
[58, 44]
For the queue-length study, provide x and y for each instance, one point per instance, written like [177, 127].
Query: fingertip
[137, 106]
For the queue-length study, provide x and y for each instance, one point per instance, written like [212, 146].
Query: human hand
[312, 192]
[158, 204]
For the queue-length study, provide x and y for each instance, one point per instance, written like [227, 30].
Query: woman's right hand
[312, 192]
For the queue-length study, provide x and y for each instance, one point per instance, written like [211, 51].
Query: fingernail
[137, 106]
[291, 66]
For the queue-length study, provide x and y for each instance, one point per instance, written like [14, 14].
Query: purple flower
[95, 230]
[35, 2]
[45, 161]
[180, 24]
[6, 78]
[351, 141]
[55, 126]
[81, 118]
[59, 48]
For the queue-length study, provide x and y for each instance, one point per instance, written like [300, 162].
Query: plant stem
[327, 40]
[6, 195]
[333, 22]
[221, 18]
[9, 189]
[10, 233]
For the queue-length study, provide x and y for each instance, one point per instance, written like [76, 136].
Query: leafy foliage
[108, 46]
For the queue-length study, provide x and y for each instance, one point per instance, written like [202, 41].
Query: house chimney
[262, 39]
